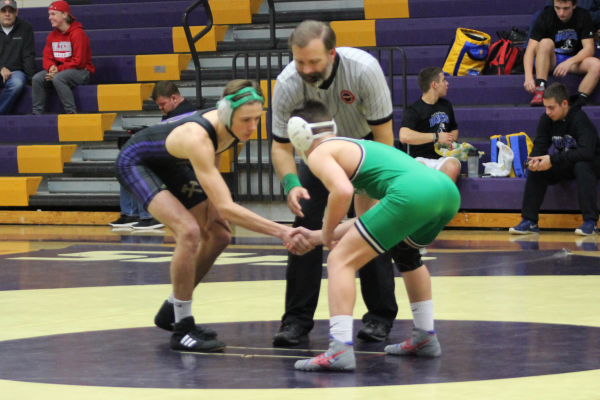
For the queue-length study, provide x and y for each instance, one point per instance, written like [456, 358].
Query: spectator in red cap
[67, 59]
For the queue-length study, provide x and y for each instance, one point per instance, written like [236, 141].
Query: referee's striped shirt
[356, 94]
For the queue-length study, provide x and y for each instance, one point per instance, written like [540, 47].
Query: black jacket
[575, 138]
[17, 49]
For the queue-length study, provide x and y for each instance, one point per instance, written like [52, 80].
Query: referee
[352, 85]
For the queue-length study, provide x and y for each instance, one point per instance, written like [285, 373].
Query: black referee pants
[585, 173]
[304, 272]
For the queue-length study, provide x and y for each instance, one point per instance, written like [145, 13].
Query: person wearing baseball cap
[67, 59]
[17, 55]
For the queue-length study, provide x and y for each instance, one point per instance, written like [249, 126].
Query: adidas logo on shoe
[187, 338]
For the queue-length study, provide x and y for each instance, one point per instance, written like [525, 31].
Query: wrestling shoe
[537, 97]
[187, 338]
[373, 331]
[588, 228]
[421, 344]
[290, 335]
[525, 226]
[339, 357]
[165, 319]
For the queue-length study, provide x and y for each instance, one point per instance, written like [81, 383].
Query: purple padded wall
[483, 122]
[417, 58]
[8, 160]
[122, 41]
[464, 8]
[507, 194]
[29, 129]
[120, 16]
[117, 69]
[86, 100]
[419, 31]
[486, 90]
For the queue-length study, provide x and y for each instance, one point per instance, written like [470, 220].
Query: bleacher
[138, 42]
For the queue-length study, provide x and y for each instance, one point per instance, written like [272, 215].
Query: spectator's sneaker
[165, 319]
[149, 223]
[537, 97]
[187, 338]
[588, 228]
[290, 335]
[339, 357]
[125, 221]
[421, 344]
[373, 331]
[525, 226]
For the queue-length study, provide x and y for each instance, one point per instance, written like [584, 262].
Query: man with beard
[352, 85]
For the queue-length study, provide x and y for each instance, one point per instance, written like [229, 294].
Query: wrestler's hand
[296, 242]
[293, 200]
[313, 237]
[327, 239]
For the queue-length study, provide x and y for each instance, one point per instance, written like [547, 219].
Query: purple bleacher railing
[192, 43]
[268, 54]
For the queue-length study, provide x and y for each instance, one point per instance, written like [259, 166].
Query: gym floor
[518, 317]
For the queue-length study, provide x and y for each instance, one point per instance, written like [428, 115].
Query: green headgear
[227, 105]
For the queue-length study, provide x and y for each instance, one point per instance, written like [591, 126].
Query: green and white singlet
[416, 202]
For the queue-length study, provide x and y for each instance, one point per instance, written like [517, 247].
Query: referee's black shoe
[290, 335]
[187, 338]
[165, 319]
[374, 331]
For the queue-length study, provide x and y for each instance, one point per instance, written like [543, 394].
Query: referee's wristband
[289, 182]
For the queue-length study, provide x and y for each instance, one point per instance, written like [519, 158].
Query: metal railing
[192, 43]
[269, 74]
[272, 35]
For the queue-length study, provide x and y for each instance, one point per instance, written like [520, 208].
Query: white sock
[183, 309]
[171, 298]
[423, 315]
[340, 328]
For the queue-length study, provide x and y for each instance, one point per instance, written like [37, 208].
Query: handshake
[300, 240]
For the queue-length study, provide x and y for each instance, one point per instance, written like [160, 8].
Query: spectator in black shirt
[17, 55]
[561, 41]
[430, 120]
[170, 101]
[576, 156]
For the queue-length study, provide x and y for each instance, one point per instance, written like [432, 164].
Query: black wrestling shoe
[187, 338]
[374, 331]
[290, 335]
[165, 319]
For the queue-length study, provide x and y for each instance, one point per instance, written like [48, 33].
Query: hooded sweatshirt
[68, 50]
[575, 138]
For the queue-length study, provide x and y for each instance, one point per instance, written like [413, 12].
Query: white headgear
[301, 135]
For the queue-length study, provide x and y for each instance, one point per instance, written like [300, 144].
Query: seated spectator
[576, 156]
[169, 100]
[171, 103]
[17, 55]
[430, 120]
[67, 59]
[561, 41]
[593, 6]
